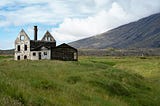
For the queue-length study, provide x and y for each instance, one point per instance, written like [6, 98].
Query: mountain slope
[144, 33]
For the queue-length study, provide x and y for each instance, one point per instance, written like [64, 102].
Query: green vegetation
[92, 81]
[5, 56]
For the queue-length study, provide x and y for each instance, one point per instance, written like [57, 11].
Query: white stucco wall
[43, 56]
[48, 56]
[36, 57]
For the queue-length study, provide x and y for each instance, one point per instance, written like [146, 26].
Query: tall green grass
[92, 81]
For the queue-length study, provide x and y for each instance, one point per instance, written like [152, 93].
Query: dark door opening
[39, 55]
[18, 57]
[25, 57]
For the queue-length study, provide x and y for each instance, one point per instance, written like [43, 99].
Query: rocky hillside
[144, 33]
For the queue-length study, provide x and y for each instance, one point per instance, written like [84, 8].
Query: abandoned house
[46, 48]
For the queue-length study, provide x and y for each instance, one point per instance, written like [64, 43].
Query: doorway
[40, 56]
[18, 57]
[25, 57]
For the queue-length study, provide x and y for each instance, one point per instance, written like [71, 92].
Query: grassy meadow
[92, 81]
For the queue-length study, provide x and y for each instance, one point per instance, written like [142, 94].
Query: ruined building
[46, 48]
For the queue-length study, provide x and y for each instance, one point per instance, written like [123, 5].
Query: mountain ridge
[144, 33]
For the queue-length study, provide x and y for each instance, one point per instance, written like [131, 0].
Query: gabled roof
[64, 45]
[48, 37]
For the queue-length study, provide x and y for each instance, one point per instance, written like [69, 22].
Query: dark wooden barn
[64, 52]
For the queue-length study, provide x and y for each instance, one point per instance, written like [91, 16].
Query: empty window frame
[75, 56]
[46, 39]
[49, 39]
[22, 37]
[18, 47]
[45, 53]
[25, 47]
[34, 54]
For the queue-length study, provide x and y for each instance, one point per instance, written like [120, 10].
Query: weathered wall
[22, 43]
[64, 54]
[36, 57]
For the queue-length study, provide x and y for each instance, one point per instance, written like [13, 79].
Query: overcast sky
[68, 20]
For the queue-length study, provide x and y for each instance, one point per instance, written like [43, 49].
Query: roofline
[67, 45]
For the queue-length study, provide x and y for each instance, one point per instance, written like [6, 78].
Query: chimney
[35, 32]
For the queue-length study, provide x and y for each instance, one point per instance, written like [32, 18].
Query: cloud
[23, 12]
[74, 28]
[28, 12]
[74, 19]
[119, 12]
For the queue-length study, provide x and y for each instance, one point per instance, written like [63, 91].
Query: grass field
[92, 81]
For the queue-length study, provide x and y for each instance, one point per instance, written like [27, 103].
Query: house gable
[48, 37]
[22, 36]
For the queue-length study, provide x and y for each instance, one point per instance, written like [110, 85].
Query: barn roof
[39, 48]
[36, 45]
[64, 45]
